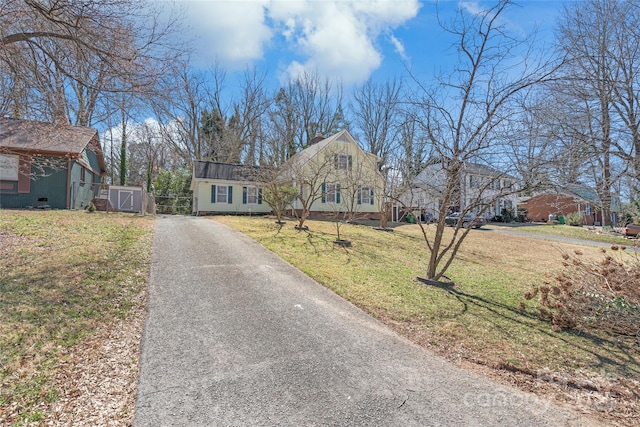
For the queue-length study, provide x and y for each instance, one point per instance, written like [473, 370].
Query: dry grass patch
[63, 276]
[479, 322]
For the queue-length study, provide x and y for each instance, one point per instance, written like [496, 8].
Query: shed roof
[224, 171]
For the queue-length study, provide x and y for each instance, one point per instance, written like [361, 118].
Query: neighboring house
[345, 177]
[48, 166]
[480, 186]
[567, 200]
[226, 188]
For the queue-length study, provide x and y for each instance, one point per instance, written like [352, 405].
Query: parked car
[632, 230]
[469, 220]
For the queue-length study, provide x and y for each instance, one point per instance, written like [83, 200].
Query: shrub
[603, 295]
[574, 218]
[91, 207]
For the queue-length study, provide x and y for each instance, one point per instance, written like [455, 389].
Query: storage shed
[127, 199]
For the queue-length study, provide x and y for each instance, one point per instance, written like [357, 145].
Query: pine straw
[99, 377]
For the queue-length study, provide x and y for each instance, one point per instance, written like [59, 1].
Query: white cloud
[473, 8]
[335, 38]
[399, 47]
[233, 32]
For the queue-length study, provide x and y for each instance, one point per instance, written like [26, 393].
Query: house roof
[224, 171]
[30, 136]
[469, 168]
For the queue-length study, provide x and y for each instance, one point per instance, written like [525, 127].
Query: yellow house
[333, 175]
[226, 188]
[336, 176]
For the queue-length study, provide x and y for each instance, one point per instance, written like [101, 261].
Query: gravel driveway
[237, 337]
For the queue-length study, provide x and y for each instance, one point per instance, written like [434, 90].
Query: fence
[173, 205]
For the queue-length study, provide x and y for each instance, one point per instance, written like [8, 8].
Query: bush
[507, 215]
[574, 218]
[91, 207]
[602, 295]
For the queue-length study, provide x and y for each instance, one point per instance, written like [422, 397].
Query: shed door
[125, 200]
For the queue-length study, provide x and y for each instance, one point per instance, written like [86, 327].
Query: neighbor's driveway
[236, 336]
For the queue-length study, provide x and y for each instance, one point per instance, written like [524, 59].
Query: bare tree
[465, 113]
[600, 84]
[302, 110]
[65, 54]
[308, 173]
[377, 115]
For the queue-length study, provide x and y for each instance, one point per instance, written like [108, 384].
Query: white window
[9, 165]
[331, 193]
[365, 195]
[343, 162]
[221, 194]
[251, 195]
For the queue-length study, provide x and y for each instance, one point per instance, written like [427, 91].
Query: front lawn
[596, 234]
[479, 322]
[66, 278]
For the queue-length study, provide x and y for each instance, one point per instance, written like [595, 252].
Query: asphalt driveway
[237, 337]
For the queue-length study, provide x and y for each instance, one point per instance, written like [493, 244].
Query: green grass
[479, 318]
[569, 231]
[62, 274]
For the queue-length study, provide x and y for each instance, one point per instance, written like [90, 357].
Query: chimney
[316, 138]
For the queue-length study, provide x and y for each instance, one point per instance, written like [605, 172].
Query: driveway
[235, 336]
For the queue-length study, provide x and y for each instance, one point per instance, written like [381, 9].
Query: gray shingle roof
[225, 171]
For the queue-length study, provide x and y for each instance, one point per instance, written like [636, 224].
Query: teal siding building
[43, 165]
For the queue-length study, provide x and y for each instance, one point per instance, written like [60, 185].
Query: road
[235, 336]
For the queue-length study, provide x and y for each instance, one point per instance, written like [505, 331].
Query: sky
[348, 40]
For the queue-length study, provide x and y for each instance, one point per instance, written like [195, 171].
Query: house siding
[203, 204]
[48, 183]
[82, 192]
[363, 173]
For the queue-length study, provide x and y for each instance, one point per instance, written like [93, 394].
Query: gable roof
[224, 171]
[304, 156]
[424, 176]
[46, 138]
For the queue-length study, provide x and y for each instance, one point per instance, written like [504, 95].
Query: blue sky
[348, 40]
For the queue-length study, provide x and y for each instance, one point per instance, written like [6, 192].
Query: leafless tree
[308, 174]
[600, 84]
[301, 110]
[62, 55]
[465, 113]
[377, 115]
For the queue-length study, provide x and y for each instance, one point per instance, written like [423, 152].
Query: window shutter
[350, 162]
[213, 194]
[335, 161]
[371, 195]
[259, 196]
[324, 193]
[244, 195]
[24, 175]
[359, 194]
[337, 193]
[230, 194]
